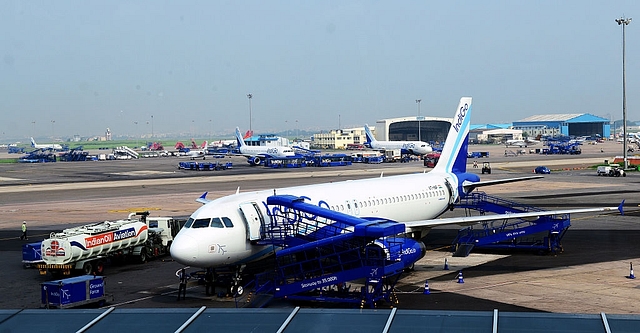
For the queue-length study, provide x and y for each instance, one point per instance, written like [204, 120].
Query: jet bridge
[323, 251]
[542, 233]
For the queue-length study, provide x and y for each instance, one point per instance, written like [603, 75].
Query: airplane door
[253, 218]
[450, 189]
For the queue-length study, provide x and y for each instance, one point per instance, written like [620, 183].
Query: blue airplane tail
[368, 134]
[239, 139]
[453, 158]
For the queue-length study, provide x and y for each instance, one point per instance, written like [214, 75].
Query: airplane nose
[184, 250]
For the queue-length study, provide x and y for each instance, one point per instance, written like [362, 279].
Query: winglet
[620, 208]
[203, 198]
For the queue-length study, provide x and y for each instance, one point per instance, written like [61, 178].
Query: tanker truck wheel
[143, 255]
[100, 268]
[87, 268]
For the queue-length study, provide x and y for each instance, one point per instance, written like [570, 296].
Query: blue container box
[31, 253]
[72, 291]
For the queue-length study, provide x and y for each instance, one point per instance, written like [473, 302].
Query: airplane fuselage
[407, 147]
[398, 198]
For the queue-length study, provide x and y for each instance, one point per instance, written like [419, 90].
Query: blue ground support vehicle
[75, 291]
[542, 170]
[31, 254]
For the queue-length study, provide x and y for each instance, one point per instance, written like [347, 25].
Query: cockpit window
[227, 222]
[189, 223]
[201, 223]
[216, 223]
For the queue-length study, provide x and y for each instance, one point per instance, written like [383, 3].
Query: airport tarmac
[588, 277]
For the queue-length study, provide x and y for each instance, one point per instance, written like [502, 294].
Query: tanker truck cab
[166, 227]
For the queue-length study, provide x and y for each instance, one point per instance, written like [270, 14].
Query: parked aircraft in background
[222, 233]
[45, 145]
[256, 154]
[198, 153]
[521, 143]
[407, 147]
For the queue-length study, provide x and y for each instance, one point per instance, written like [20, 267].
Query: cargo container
[74, 291]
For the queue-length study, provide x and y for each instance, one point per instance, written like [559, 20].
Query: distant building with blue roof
[566, 124]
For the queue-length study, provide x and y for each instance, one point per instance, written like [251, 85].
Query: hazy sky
[89, 65]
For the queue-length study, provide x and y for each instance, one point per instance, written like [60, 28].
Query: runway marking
[134, 209]
[7, 179]
[141, 173]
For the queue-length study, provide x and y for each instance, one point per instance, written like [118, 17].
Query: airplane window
[227, 222]
[188, 223]
[201, 223]
[216, 223]
[333, 208]
[355, 205]
[341, 207]
[348, 206]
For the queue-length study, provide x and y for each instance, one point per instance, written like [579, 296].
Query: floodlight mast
[624, 22]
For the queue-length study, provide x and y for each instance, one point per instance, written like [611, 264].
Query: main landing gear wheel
[237, 290]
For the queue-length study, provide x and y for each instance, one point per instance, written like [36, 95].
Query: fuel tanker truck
[86, 249]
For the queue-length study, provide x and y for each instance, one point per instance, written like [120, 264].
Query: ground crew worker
[183, 283]
[24, 231]
[208, 281]
[475, 164]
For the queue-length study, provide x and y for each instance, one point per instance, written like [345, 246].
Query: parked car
[542, 170]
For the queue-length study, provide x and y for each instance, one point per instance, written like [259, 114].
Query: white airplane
[521, 143]
[198, 153]
[407, 147]
[45, 145]
[221, 234]
[255, 154]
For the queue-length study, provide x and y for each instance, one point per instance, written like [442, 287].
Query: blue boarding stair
[322, 252]
[543, 233]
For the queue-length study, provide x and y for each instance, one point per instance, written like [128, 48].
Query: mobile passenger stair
[541, 233]
[324, 253]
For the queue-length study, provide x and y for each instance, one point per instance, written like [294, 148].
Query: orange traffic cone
[460, 279]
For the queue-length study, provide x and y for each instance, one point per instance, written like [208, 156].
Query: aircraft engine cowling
[255, 160]
[403, 249]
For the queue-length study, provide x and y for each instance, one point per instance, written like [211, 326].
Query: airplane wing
[467, 220]
[470, 186]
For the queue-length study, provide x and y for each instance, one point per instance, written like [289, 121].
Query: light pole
[136, 134]
[623, 22]
[53, 132]
[152, 126]
[418, 102]
[249, 96]
[34, 128]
